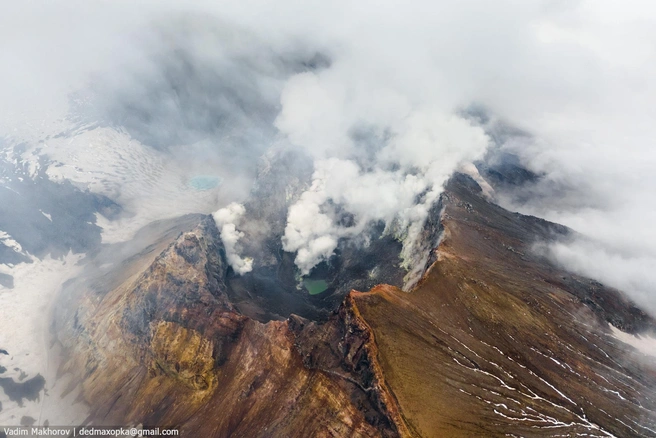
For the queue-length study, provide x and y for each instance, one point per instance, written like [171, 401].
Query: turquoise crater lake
[204, 182]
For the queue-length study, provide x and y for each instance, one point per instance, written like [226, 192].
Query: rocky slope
[495, 341]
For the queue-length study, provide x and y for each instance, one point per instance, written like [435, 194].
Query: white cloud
[577, 75]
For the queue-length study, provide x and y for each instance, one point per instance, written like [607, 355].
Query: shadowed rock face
[494, 341]
[46, 217]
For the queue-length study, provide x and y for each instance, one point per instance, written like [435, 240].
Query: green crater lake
[315, 286]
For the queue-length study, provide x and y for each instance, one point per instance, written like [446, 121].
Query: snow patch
[644, 343]
[149, 184]
[25, 309]
[8, 241]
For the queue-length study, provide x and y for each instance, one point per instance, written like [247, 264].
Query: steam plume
[397, 184]
[227, 220]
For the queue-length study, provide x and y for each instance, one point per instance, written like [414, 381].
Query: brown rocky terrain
[494, 341]
[167, 348]
[497, 341]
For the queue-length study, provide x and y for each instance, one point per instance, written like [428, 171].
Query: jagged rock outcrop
[494, 341]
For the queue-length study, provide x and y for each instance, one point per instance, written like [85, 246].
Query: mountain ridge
[459, 355]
